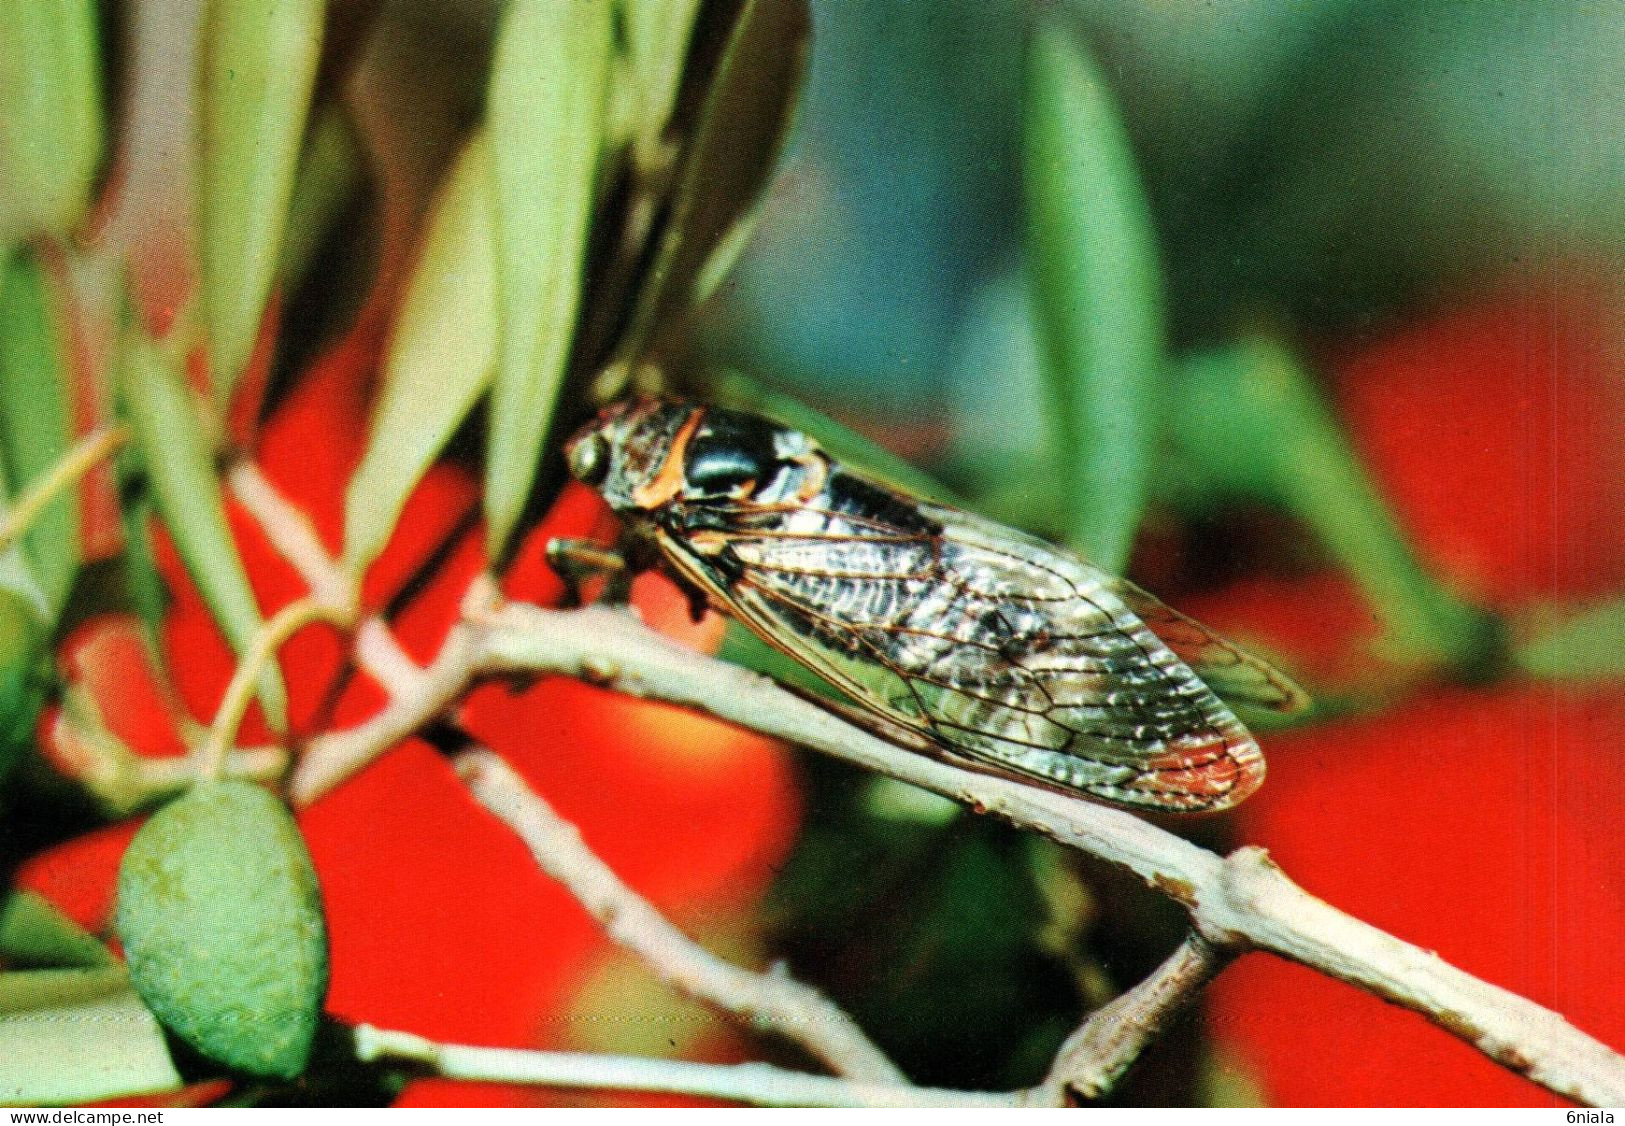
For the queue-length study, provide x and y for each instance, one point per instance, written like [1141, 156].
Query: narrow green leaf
[1221, 432]
[329, 177]
[1097, 290]
[36, 418]
[728, 162]
[1589, 644]
[221, 918]
[1254, 419]
[259, 62]
[24, 673]
[440, 357]
[742, 647]
[657, 35]
[549, 84]
[34, 933]
[149, 598]
[180, 465]
[50, 115]
[16, 577]
[39, 989]
[99, 1048]
[1003, 451]
[737, 390]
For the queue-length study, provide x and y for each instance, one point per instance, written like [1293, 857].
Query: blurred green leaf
[329, 177]
[1222, 444]
[546, 115]
[657, 35]
[1250, 417]
[180, 464]
[50, 115]
[149, 598]
[887, 799]
[1097, 289]
[39, 989]
[24, 673]
[34, 933]
[440, 357]
[259, 61]
[742, 647]
[1589, 644]
[1003, 452]
[99, 1048]
[738, 390]
[936, 950]
[221, 920]
[16, 577]
[18, 581]
[745, 119]
[36, 418]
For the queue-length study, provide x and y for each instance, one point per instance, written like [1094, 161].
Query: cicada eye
[589, 459]
[731, 451]
[720, 471]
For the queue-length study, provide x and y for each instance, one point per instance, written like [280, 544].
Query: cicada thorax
[997, 648]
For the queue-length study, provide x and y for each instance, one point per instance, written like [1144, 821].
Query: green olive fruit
[221, 921]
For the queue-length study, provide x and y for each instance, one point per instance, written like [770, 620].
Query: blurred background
[1308, 317]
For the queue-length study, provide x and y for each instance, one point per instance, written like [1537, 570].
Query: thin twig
[294, 537]
[295, 616]
[1095, 1057]
[123, 781]
[64, 474]
[331, 758]
[771, 1001]
[758, 1083]
[377, 651]
[292, 534]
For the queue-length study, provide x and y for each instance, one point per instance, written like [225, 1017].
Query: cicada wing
[1000, 648]
[797, 631]
[1229, 670]
[1115, 683]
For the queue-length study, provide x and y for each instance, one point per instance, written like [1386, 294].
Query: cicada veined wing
[1006, 652]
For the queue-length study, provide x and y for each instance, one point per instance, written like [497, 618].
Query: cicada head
[623, 450]
[643, 454]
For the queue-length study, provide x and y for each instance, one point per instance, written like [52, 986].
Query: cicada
[994, 648]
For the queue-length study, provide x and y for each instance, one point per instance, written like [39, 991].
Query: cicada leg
[578, 560]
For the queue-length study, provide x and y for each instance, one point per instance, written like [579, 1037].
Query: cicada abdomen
[1006, 652]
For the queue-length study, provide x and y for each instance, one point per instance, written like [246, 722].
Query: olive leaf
[549, 85]
[1097, 291]
[728, 161]
[51, 127]
[259, 64]
[180, 465]
[36, 418]
[1250, 419]
[34, 933]
[86, 1041]
[439, 361]
[657, 35]
[1587, 645]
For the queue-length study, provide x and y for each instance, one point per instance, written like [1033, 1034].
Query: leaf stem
[69, 470]
[211, 756]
